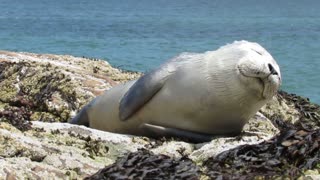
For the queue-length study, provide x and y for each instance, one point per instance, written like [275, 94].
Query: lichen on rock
[60, 149]
[51, 87]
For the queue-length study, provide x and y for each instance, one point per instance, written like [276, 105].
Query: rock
[63, 150]
[257, 130]
[280, 107]
[50, 87]
[39, 92]
[174, 149]
[59, 150]
[294, 110]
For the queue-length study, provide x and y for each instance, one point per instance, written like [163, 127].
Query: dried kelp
[145, 165]
[309, 112]
[18, 117]
[287, 155]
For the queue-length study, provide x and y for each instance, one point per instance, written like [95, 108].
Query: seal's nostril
[272, 70]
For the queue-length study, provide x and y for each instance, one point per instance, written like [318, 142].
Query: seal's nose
[272, 70]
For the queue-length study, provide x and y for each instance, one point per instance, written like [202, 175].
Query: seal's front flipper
[173, 132]
[143, 90]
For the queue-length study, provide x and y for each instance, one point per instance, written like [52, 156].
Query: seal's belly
[210, 122]
[193, 112]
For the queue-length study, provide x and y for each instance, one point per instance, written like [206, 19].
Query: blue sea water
[141, 34]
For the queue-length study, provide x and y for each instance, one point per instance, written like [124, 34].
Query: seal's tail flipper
[81, 118]
[173, 132]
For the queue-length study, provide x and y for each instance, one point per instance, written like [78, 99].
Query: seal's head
[258, 70]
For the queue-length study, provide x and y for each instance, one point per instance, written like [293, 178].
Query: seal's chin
[271, 86]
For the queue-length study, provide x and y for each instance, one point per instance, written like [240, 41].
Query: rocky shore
[39, 93]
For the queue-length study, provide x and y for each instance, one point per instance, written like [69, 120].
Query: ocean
[139, 35]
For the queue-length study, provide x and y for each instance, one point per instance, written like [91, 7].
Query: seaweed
[143, 164]
[18, 117]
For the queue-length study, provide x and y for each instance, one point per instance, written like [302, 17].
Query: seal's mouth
[260, 81]
[271, 85]
[267, 85]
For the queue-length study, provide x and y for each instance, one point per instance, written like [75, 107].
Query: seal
[194, 95]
